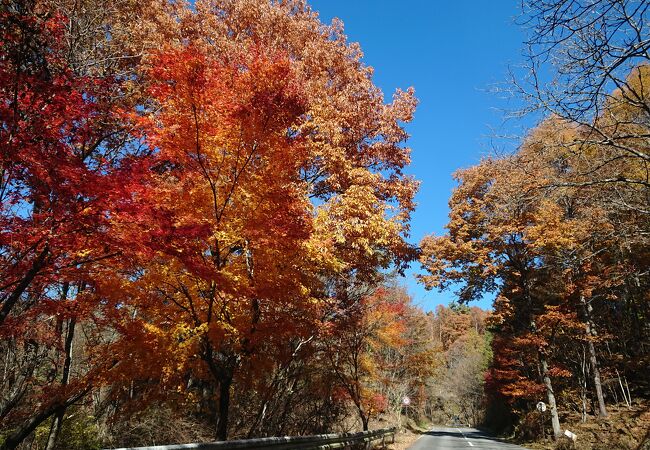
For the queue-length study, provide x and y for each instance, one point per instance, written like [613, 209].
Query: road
[459, 438]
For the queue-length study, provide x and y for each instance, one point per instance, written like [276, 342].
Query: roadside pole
[541, 407]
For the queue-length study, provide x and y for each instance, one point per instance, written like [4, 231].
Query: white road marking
[422, 435]
[467, 440]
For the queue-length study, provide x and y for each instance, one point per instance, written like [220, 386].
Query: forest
[559, 230]
[205, 215]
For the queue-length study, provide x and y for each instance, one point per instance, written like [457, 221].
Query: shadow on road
[477, 436]
[471, 434]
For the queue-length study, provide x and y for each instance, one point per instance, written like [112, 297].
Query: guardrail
[321, 442]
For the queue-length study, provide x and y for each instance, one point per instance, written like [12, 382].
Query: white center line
[463, 434]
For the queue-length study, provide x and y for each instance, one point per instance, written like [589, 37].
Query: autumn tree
[589, 48]
[587, 65]
[467, 362]
[265, 202]
[233, 218]
[588, 70]
[352, 347]
[407, 370]
[456, 385]
[379, 352]
[63, 153]
[487, 250]
[528, 228]
[192, 191]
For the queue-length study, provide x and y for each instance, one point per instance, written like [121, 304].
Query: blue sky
[452, 52]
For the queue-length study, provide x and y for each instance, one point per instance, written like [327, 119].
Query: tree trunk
[593, 361]
[625, 397]
[602, 409]
[13, 440]
[13, 298]
[222, 367]
[224, 405]
[9, 402]
[55, 429]
[583, 385]
[364, 420]
[57, 421]
[555, 420]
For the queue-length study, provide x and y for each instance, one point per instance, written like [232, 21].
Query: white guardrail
[321, 441]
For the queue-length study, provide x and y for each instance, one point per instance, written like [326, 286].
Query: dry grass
[404, 439]
[624, 429]
[409, 434]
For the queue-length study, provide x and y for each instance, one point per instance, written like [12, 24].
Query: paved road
[459, 438]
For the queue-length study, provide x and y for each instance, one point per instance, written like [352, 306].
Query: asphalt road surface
[459, 438]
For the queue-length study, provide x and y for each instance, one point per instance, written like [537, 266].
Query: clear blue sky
[452, 52]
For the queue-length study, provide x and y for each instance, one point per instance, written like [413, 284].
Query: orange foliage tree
[261, 193]
[228, 216]
[379, 352]
[194, 188]
[532, 228]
